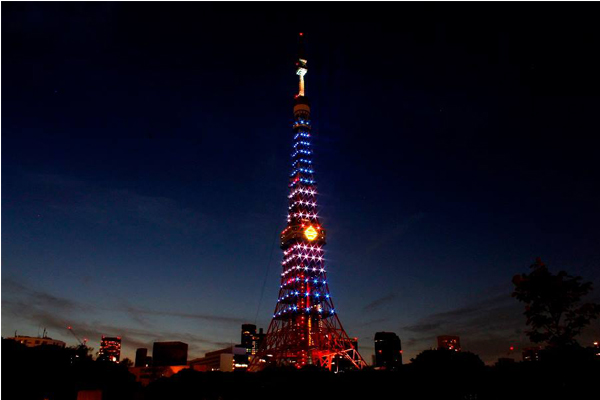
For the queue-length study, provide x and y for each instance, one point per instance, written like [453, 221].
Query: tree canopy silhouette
[553, 305]
[448, 360]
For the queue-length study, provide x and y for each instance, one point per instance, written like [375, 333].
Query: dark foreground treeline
[50, 373]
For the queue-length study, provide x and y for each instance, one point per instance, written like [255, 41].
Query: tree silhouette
[553, 305]
[126, 362]
[447, 360]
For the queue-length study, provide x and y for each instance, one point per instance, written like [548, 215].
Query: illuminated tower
[305, 328]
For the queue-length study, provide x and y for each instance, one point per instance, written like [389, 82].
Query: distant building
[260, 336]
[225, 360]
[531, 353]
[169, 354]
[37, 341]
[110, 349]
[95, 394]
[250, 339]
[141, 358]
[388, 351]
[448, 342]
[168, 358]
[145, 375]
[505, 361]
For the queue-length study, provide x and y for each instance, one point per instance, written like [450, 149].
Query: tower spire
[305, 328]
[301, 68]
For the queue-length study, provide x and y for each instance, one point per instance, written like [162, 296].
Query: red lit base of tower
[285, 345]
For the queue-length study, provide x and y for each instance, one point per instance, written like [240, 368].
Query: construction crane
[81, 342]
[81, 352]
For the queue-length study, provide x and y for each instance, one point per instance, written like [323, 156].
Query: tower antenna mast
[301, 68]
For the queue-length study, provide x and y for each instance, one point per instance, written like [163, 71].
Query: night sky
[146, 151]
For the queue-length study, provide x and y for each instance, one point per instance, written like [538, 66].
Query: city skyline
[145, 163]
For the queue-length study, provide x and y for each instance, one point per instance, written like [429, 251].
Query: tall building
[110, 349]
[141, 358]
[448, 342]
[249, 338]
[260, 336]
[169, 353]
[305, 328]
[388, 351]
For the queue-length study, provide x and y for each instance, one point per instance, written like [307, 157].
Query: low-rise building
[38, 341]
[226, 360]
[166, 354]
[145, 375]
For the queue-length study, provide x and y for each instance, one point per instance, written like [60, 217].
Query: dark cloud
[89, 202]
[394, 232]
[38, 298]
[374, 322]
[56, 313]
[483, 311]
[486, 326]
[139, 312]
[423, 327]
[132, 338]
[379, 302]
[422, 342]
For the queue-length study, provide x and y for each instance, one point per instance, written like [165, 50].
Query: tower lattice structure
[305, 328]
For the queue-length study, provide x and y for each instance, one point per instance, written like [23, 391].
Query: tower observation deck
[305, 328]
